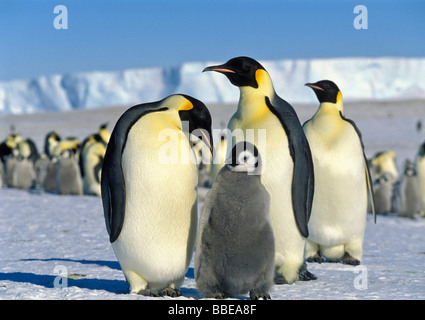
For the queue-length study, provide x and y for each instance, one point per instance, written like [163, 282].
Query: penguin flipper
[113, 188]
[303, 176]
[113, 201]
[367, 170]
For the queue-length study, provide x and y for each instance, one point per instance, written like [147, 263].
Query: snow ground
[44, 237]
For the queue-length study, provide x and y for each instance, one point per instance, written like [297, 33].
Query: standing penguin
[92, 160]
[288, 168]
[235, 245]
[338, 217]
[383, 191]
[51, 141]
[406, 199]
[149, 192]
[67, 176]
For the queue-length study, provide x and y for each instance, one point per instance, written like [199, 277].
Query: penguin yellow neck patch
[339, 97]
[259, 76]
[187, 105]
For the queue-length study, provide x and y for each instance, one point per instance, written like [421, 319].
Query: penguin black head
[325, 90]
[244, 158]
[240, 71]
[199, 119]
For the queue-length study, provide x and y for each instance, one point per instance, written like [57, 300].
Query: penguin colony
[299, 193]
[66, 166]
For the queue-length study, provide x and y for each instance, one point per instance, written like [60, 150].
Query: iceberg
[382, 78]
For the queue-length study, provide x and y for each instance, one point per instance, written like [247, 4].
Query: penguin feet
[259, 296]
[218, 296]
[316, 258]
[348, 259]
[304, 274]
[170, 292]
[280, 279]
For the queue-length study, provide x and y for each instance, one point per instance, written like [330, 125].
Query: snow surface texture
[45, 236]
[358, 79]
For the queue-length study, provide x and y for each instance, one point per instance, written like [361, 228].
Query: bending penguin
[235, 222]
[288, 168]
[342, 177]
[149, 193]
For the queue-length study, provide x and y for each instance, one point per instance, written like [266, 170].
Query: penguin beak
[314, 86]
[220, 68]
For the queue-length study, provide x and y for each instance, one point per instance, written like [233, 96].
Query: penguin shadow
[103, 263]
[48, 281]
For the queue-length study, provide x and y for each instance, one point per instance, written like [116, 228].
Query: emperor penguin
[420, 171]
[272, 125]
[383, 192]
[235, 244]
[51, 141]
[149, 191]
[67, 176]
[385, 161]
[338, 217]
[92, 160]
[23, 171]
[406, 199]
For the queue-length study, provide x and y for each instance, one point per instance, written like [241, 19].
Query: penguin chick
[383, 190]
[149, 192]
[23, 174]
[407, 193]
[338, 218]
[68, 178]
[235, 244]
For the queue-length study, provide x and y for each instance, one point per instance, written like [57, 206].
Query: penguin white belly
[340, 198]
[158, 234]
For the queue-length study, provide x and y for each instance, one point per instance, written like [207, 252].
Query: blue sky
[116, 35]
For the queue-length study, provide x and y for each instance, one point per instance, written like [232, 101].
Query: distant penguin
[383, 190]
[338, 218]
[51, 141]
[23, 175]
[67, 176]
[69, 143]
[420, 171]
[272, 125]
[91, 161]
[235, 244]
[41, 168]
[10, 164]
[49, 183]
[407, 201]
[149, 181]
[101, 136]
[385, 161]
